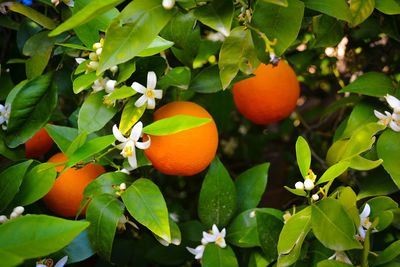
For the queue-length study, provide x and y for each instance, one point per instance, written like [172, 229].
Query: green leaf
[303, 155]
[76, 143]
[125, 71]
[280, 23]
[217, 15]
[269, 228]
[146, 204]
[361, 10]
[11, 180]
[104, 213]
[174, 124]
[348, 198]
[50, 235]
[283, 3]
[177, 77]
[79, 249]
[36, 184]
[362, 114]
[158, 45]
[132, 31]
[242, 231]
[130, 115]
[382, 207]
[215, 256]
[372, 84]
[292, 237]
[39, 48]
[388, 148]
[332, 263]
[83, 82]
[328, 31]
[334, 8]
[334, 171]
[104, 184]
[31, 108]
[333, 226]
[207, 80]
[217, 200]
[62, 135]
[75, 46]
[237, 53]
[89, 12]
[250, 186]
[362, 164]
[32, 14]
[89, 149]
[377, 182]
[10, 259]
[389, 254]
[389, 7]
[297, 192]
[93, 114]
[120, 93]
[257, 260]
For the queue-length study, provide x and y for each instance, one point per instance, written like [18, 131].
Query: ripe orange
[67, 192]
[38, 145]
[187, 152]
[269, 96]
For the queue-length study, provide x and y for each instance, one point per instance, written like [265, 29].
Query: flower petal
[379, 115]
[136, 131]
[62, 262]
[215, 229]
[209, 238]
[361, 231]
[132, 160]
[394, 126]
[158, 94]
[393, 101]
[118, 135]
[143, 145]
[223, 233]
[151, 103]
[151, 80]
[138, 87]
[366, 211]
[79, 60]
[141, 101]
[220, 242]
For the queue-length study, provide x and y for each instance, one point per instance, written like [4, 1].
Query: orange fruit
[38, 145]
[269, 96]
[187, 152]
[66, 194]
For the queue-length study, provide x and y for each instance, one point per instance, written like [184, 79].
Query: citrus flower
[4, 115]
[340, 256]
[104, 84]
[365, 223]
[128, 144]
[393, 102]
[197, 251]
[215, 236]
[149, 92]
[384, 119]
[60, 263]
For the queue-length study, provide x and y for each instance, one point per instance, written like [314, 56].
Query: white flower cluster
[214, 236]
[59, 263]
[308, 184]
[4, 115]
[365, 223]
[390, 119]
[14, 214]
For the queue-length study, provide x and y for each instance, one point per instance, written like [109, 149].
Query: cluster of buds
[308, 184]
[390, 119]
[17, 211]
[213, 236]
[120, 189]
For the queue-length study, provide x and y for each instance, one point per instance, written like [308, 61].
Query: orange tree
[278, 176]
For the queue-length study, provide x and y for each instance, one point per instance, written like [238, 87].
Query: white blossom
[60, 263]
[365, 223]
[149, 92]
[197, 251]
[393, 102]
[215, 236]
[4, 115]
[340, 256]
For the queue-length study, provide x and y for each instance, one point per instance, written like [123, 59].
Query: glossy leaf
[93, 114]
[371, 84]
[334, 171]
[120, 93]
[89, 12]
[292, 237]
[217, 200]
[207, 81]
[269, 228]
[388, 147]
[125, 71]
[10, 259]
[361, 114]
[377, 182]
[362, 164]
[332, 263]
[237, 53]
[334, 8]
[297, 192]
[19, 239]
[257, 260]
[388, 254]
[217, 15]
[242, 231]
[174, 124]
[79, 249]
[215, 256]
[32, 14]
[11, 180]
[62, 135]
[303, 155]
[31, 108]
[83, 82]
[361, 10]
[130, 115]
[103, 213]
[76, 143]
[382, 207]
[280, 23]
[332, 226]
[328, 31]
[105, 183]
[177, 77]
[158, 45]
[283, 3]
[250, 186]
[132, 31]
[36, 184]
[146, 204]
[89, 149]
[389, 7]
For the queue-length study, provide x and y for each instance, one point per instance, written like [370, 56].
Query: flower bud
[3, 218]
[19, 210]
[299, 185]
[168, 4]
[97, 45]
[98, 51]
[315, 197]
[93, 64]
[93, 56]
[308, 184]
[122, 186]
[14, 215]
[114, 69]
